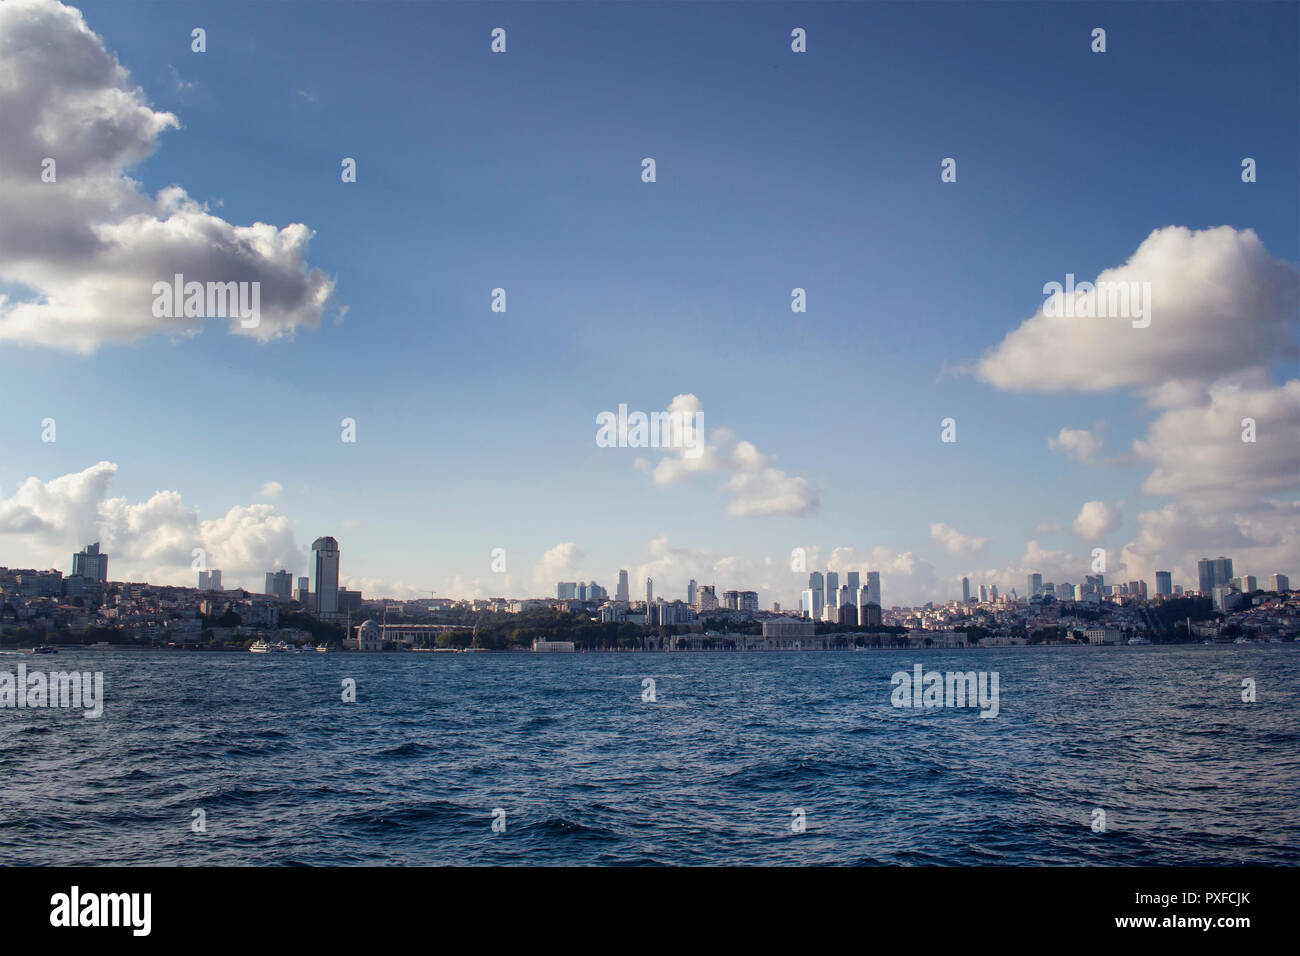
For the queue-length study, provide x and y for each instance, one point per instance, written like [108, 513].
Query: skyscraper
[279, 584]
[1164, 583]
[691, 593]
[649, 591]
[622, 594]
[566, 590]
[853, 580]
[90, 564]
[1279, 583]
[1035, 585]
[814, 598]
[326, 592]
[832, 589]
[873, 588]
[965, 590]
[1213, 573]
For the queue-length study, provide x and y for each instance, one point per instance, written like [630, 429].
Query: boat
[45, 649]
[322, 649]
[259, 647]
[1137, 640]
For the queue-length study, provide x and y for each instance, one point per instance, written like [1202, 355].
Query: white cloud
[953, 541]
[1095, 519]
[1197, 452]
[272, 489]
[555, 564]
[90, 245]
[1224, 312]
[756, 486]
[1220, 304]
[1055, 566]
[151, 540]
[1078, 443]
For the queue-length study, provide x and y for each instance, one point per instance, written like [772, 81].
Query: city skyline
[473, 435]
[322, 599]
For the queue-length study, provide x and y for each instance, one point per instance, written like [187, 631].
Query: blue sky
[774, 170]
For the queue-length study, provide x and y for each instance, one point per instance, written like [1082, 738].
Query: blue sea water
[711, 772]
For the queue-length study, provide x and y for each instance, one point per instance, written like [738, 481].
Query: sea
[1099, 756]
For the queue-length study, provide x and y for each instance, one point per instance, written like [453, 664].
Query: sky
[774, 170]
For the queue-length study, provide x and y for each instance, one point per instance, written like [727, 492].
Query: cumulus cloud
[1078, 443]
[555, 564]
[89, 246]
[1220, 303]
[756, 487]
[152, 540]
[905, 578]
[1198, 452]
[953, 541]
[1095, 519]
[272, 489]
[1054, 565]
[1224, 311]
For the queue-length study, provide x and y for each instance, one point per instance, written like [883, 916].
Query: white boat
[322, 649]
[259, 647]
[1138, 640]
